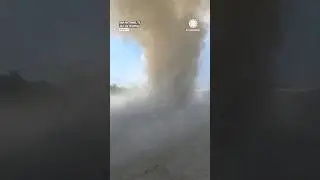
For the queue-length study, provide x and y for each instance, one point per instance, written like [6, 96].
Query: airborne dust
[150, 142]
[171, 52]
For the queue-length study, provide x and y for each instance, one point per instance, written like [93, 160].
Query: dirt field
[161, 144]
[61, 138]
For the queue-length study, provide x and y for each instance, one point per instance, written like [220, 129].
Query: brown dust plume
[171, 52]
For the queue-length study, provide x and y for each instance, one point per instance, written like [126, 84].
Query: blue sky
[126, 66]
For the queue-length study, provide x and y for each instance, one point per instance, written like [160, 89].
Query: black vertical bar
[245, 35]
[51, 127]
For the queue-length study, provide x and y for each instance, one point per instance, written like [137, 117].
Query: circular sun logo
[193, 23]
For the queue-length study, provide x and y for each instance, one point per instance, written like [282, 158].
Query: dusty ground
[160, 144]
[285, 142]
[68, 138]
[56, 138]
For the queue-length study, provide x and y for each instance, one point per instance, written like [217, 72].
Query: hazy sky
[56, 40]
[53, 40]
[298, 56]
[127, 66]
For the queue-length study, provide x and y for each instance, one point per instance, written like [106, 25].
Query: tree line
[114, 88]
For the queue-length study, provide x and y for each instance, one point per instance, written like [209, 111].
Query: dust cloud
[172, 53]
[148, 140]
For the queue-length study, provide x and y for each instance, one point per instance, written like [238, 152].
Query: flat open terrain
[68, 138]
[286, 142]
[160, 144]
[55, 139]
